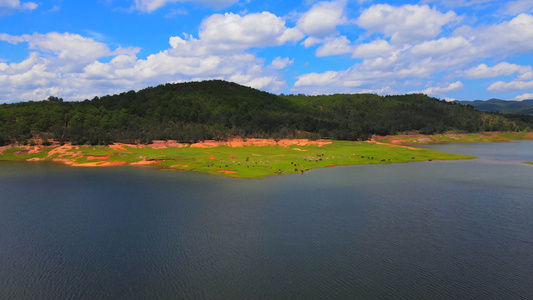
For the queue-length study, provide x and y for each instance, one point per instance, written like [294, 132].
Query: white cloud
[443, 90]
[310, 41]
[526, 76]
[375, 48]
[265, 82]
[524, 97]
[442, 46]
[231, 32]
[151, 5]
[334, 46]
[504, 39]
[281, 63]
[7, 6]
[176, 41]
[405, 24]
[323, 18]
[11, 38]
[518, 7]
[461, 3]
[501, 69]
[67, 52]
[67, 46]
[502, 86]
[25, 76]
[316, 79]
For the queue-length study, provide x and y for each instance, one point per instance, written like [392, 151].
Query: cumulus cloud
[501, 69]
[66, 52]
[316, 79]
[442, 46]
[323, 18]
[232, 32]
[151, 5]
[405, 24]
[461, 3]
[445, 89]
[524, 97]
[9, 6]
[504, 39]
[502, 86]
[334, 46]
[281, 63]
[375, 48]
[253, 30]
[518, 7]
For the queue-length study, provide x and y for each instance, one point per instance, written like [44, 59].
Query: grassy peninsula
[252, 158]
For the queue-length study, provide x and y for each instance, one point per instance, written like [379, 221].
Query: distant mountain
[524, 107]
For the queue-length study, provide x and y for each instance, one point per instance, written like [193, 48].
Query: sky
[449, 49]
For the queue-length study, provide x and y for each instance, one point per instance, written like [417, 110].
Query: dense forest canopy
[217, 109]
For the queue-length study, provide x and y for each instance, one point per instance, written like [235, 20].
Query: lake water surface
[432, 230]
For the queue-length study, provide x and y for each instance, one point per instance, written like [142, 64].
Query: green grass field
[247, 161]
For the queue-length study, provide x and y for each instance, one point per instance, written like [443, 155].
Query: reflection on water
[456, 229]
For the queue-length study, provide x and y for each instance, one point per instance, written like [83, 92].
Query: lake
[430, 230]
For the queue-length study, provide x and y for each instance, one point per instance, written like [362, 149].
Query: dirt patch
[100, 164]
[158, 144]
[259, 142]
[227, 172]
[145, 162]
[391, 145]
[36, 149]
[99, 157]
[62, 150]
[120, 146]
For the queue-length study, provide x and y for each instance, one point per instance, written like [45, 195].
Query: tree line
[193, 111]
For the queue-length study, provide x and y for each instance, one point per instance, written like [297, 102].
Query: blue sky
[450, 49]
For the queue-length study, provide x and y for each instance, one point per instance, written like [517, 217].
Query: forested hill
[216, 109]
